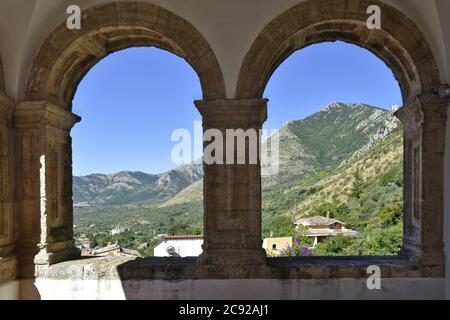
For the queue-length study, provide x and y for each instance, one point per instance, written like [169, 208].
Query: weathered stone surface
[45, 192]
[124, 269]
[8, 265]
[424, 123]
[232, 196]
[85, 269]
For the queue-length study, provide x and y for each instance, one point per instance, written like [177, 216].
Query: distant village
[317, 229]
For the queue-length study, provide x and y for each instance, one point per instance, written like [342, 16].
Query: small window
[274, 247]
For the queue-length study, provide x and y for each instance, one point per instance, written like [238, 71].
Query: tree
[301, 238]
[391, 214]
[277, 226]
[93, 242]
[358, 184]
[334, 246]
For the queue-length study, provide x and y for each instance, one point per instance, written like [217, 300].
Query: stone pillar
[232, 193]
[8, 264]
[424, 122]
[45, 234]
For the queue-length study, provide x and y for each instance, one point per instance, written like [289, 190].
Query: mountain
[316, 143]
[327, 138]
[381, 168]
[130, 187]
[318, 158]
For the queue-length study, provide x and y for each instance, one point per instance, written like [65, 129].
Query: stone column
[424, 122]
[232, 192]
[8, 265]
[45, 190]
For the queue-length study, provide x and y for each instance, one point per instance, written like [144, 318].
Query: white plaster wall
[343, 289]
[184, 248]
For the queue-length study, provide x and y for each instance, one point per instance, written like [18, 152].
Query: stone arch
[400, 43]
[67, 55]
[44, 119]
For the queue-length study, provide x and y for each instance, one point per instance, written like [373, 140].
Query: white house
[319, 228]
[118, 230]
[179, 246]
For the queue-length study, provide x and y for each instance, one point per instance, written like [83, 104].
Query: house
[179, 246]
[118, 230]
[273, 246]
[320, 228]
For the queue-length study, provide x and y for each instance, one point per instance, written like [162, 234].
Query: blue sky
[133, 100]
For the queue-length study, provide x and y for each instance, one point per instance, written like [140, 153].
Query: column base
[430, 260]
[57, 252]
[44, 259]
[232, 264]
[8, 269]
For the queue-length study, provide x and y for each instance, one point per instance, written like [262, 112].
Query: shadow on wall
[163, 272]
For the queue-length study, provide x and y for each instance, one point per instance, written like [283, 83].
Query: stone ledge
[241, 289]
[340, 267]
[110, 268]
[84, 269]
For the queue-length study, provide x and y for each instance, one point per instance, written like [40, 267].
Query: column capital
[410, 115]
[29, 114]
[424, 108]
[233, 113]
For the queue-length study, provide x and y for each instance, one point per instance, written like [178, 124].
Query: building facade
[179, 246]
[274, 246]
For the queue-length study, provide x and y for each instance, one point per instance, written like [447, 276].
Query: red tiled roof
[184, 237]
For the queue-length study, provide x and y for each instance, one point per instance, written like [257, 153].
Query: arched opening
[406, 52]
[130, 192]
[338, 186]
[44, 119]
[402, 47]
[67, 55]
